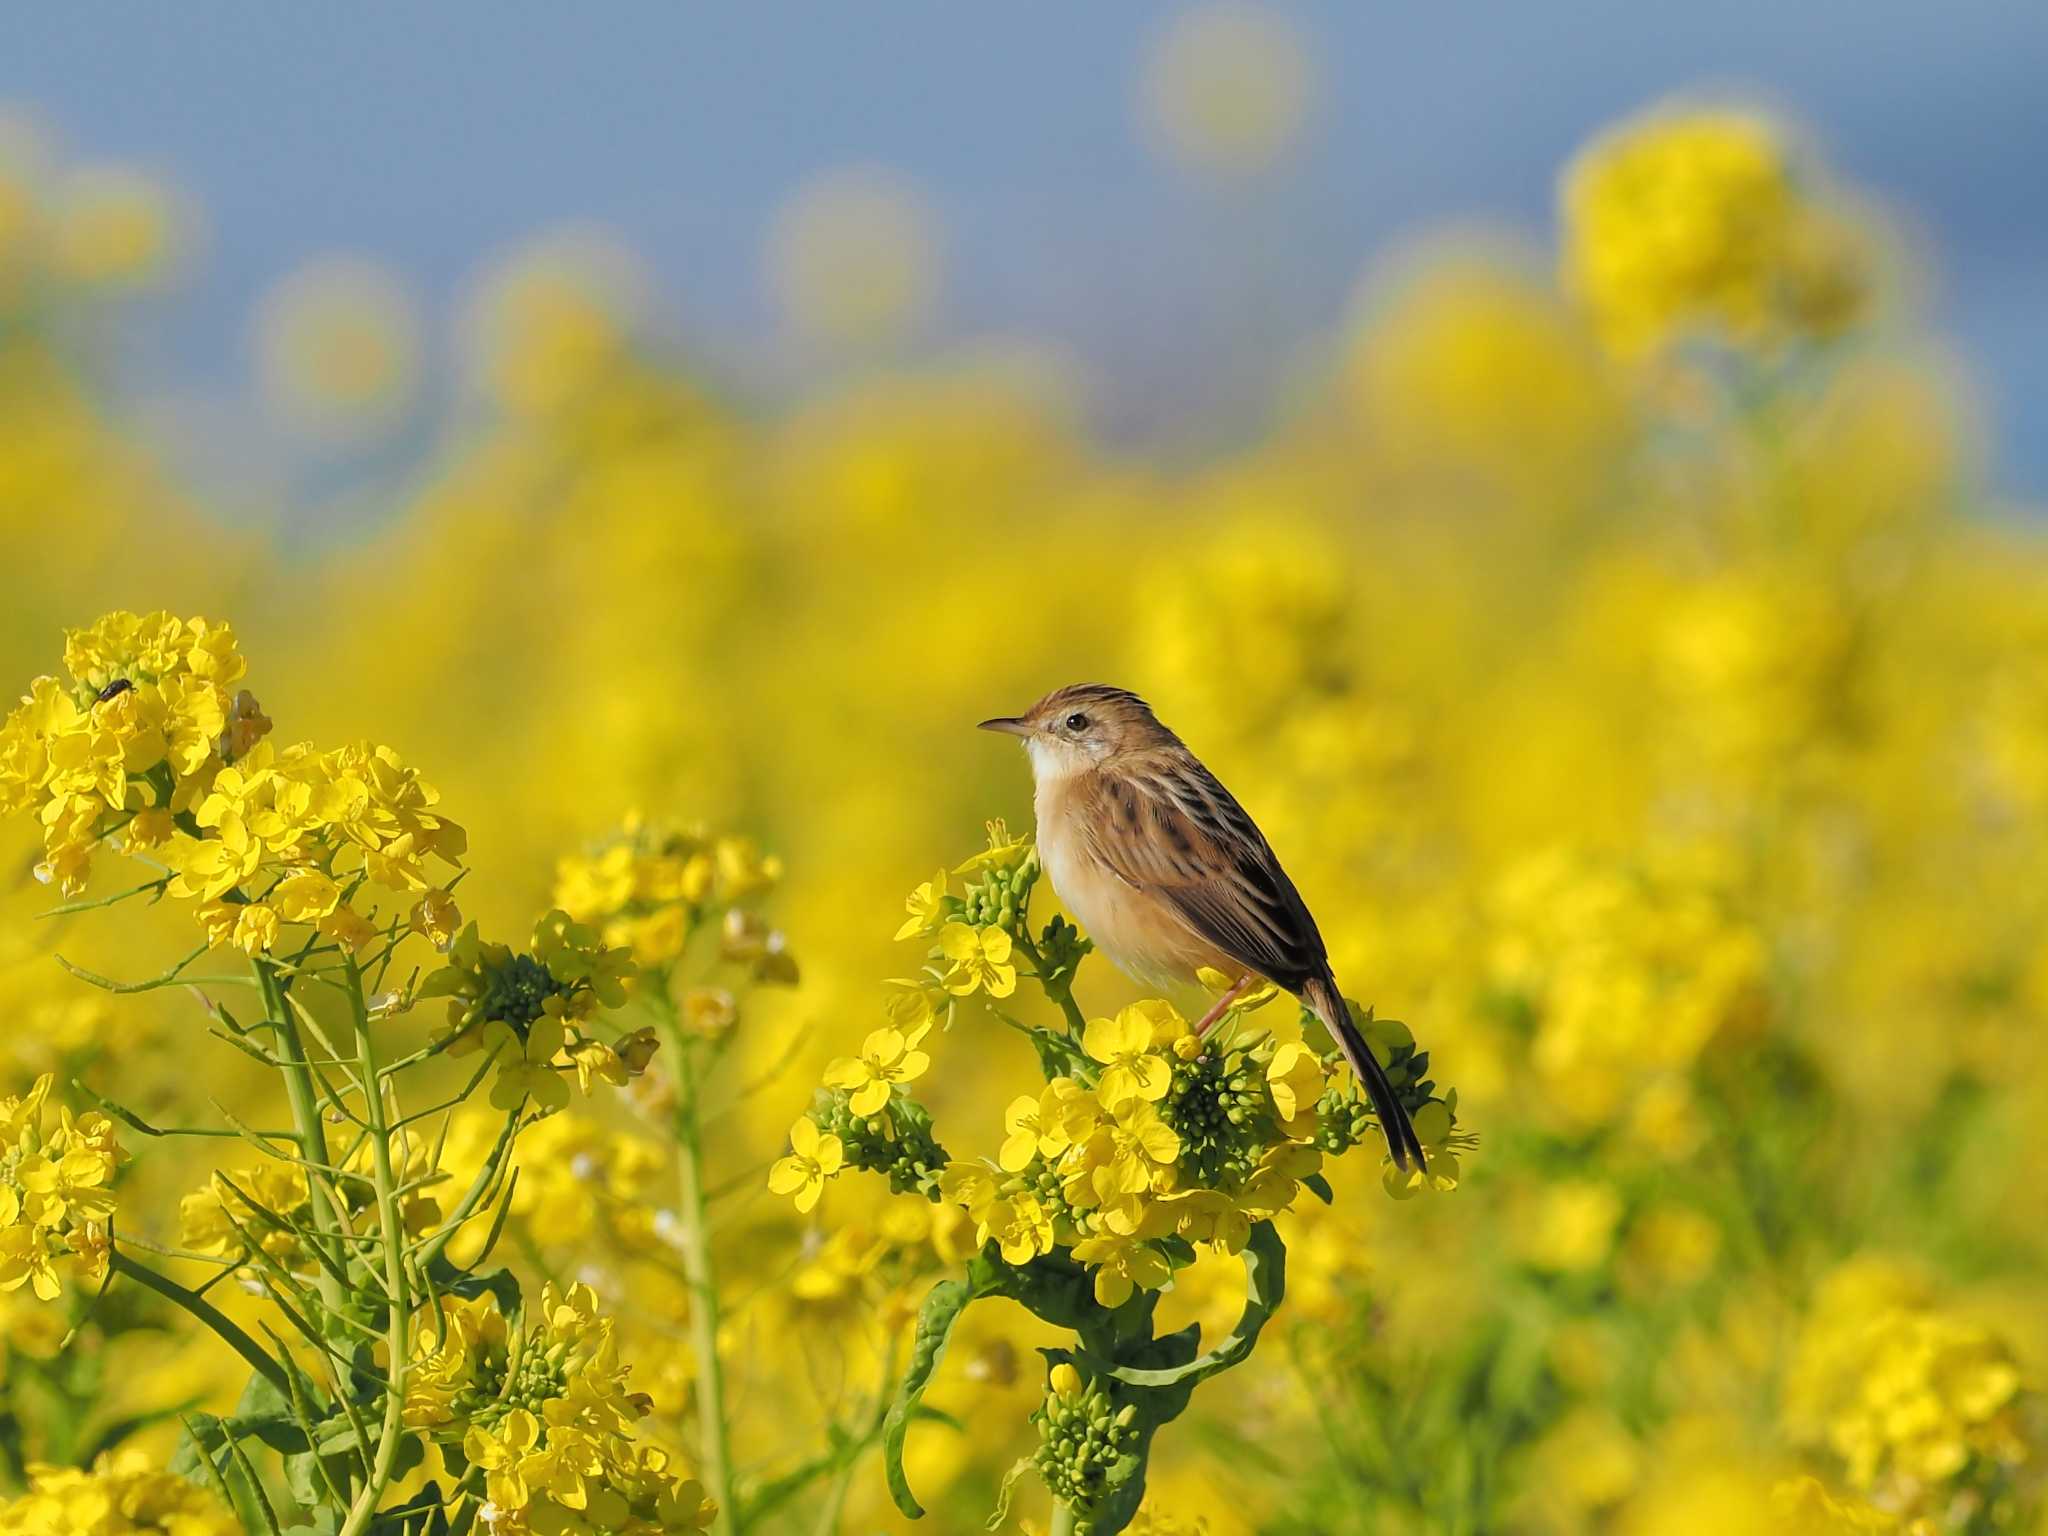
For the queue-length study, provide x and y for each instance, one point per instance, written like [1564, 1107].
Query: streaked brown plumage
[1168, 873]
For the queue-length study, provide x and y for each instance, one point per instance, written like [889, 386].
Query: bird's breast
[1139, 931]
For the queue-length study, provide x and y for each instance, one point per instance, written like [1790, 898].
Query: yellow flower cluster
[975, 948]
[649, 889]
[1628, 972]
[123, 1493]
[146, 742]
[56, 1193]
[527, 1009]
[1699, 221]
[544, 1411]
[1917, 1402]
[267, 1207]
[1097, 1165]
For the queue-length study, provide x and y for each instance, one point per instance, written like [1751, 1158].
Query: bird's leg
[1208, 1020]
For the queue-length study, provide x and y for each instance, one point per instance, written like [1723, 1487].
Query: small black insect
[115, 689]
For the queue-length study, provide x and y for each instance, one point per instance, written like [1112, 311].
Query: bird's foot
[1222, 1004]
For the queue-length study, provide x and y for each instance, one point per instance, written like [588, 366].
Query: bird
[1169, 875]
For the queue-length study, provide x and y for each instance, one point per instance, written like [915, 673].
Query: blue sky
[435, 136]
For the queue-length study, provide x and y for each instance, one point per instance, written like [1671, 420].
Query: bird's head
[1082, 726]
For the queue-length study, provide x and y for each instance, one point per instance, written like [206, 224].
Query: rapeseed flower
[1124, 1047]
[980, 960]
[813, 1159]
[123, 1493]
[887, 1057]
[56, 1193]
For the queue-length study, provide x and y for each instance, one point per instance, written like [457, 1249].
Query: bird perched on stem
[1168, 873]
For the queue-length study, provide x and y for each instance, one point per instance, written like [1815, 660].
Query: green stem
[1061, 992]
[391, 1229]
[486, 1176]
[835, 1498]
[260, 1359]
[305, 1106]
[693, 1241]
[1062, 1520]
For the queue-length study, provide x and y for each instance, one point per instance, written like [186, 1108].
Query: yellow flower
[1068, 1115]
[209, 867]
[349, 928]
[596, 1062]
[1433, 1129]
[1124, 1047]
[1003, 851]
[1019, 1226]
[887, 1057]
[255, 928]
[925, 904]
[1210, 1216]
[1908, 1395]
[1689, 220]
[1122, 1163]
[436, 915]
[1294, 1077]
[969, 1186]
[151, 827]
[123, 1494]
[907, 1003]
[1122, 1264]
[1277, 1180]
[25, 1259]
[1022, 1121]
[305, 896]
[981, 960]
[813, 1158]
[503, 1455]
[55, 1192]
[526, 1066]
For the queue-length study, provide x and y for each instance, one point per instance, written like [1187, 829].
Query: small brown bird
[1168, 874]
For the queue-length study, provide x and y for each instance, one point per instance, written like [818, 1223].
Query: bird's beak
[1012, 725]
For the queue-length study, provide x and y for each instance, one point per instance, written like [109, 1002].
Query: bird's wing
[1167, 827]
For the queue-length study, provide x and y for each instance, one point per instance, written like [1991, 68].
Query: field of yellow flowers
[542, 1016]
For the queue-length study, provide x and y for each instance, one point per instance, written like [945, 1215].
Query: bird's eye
[1077, 721]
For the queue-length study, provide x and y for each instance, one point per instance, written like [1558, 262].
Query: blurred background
[1574, 476]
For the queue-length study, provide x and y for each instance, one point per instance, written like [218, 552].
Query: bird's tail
[1322, 997]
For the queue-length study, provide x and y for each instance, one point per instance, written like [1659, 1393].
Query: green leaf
[1319, 1186]
[935, 1320]
[302, 1479]
[268, 1415]
[1265, 1281]
[470, 1284]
